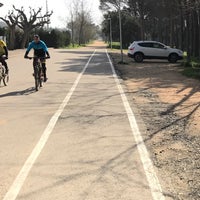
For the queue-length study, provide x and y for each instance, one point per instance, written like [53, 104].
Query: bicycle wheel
[3, 77]
[39, 77]
[4, 81]
[36, 77]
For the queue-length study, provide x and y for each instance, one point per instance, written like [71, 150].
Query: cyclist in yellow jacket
[4, 55]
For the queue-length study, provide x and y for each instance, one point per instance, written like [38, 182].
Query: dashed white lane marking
[21, 177]
[151, 176]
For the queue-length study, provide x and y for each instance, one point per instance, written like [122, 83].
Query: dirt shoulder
[169, 105]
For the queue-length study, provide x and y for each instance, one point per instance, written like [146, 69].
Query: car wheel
[138, 57]
[173, 58]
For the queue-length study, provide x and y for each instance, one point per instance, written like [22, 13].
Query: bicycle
[3, 76]
[38, 74]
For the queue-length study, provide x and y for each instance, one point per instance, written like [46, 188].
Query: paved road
[72, 139]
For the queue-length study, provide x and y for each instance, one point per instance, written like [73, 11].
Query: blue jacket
[37, 46]
[40, 48]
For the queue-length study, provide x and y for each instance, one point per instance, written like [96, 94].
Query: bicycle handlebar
[32, 57]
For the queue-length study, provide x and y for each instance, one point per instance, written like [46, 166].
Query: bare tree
[27, 24]
[35, 20]
[12, 21]
[80, 23]
[72, 25]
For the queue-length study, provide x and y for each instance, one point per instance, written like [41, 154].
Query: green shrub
[192, 68]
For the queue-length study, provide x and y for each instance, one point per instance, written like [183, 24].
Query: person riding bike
[40, 51]
[4, 55]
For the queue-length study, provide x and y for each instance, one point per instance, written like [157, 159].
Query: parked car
[140, 50]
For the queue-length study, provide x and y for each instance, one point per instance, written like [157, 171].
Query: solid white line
[21, 177]
[152, 178]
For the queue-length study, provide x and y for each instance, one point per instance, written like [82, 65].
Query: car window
[158, 46]
[145, 44]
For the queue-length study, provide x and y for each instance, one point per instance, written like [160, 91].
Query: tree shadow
[102, 171]
[95, 67]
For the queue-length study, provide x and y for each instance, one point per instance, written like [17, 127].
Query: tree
[34, 21]
[80, 23]
[117, 4]
[12, 20]
[18, 18]
[132, 30]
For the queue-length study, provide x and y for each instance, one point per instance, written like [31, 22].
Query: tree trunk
[196, 34]
[199, 31]
[25, 38]
[11, 45]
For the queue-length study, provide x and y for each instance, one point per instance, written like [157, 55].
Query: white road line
[152, 178]
[21, 177]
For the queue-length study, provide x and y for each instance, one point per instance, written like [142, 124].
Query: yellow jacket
[2, 48]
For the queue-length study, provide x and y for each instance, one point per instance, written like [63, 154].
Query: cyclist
[40, 50]
[4, 55]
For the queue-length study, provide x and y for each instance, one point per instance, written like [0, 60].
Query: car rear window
[145, 44]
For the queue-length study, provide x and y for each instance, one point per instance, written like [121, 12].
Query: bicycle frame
[37, 71]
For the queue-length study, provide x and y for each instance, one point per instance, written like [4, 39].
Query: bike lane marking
[150, 173]
[22, 175]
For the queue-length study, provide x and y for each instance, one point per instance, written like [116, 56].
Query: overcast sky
[60, 9]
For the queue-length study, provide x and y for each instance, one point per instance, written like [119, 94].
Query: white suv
[140, 50]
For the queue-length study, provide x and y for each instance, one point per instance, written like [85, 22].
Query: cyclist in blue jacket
[40, 50]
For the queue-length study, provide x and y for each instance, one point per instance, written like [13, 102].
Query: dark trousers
[44, 69]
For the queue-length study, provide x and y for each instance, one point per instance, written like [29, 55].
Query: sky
[60, 9]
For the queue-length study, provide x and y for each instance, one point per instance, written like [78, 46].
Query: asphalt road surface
[74, 139]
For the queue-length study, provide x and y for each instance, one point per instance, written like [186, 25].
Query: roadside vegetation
[174, 23]
[192, 68]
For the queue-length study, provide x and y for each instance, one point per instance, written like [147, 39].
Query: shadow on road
[19, 93]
